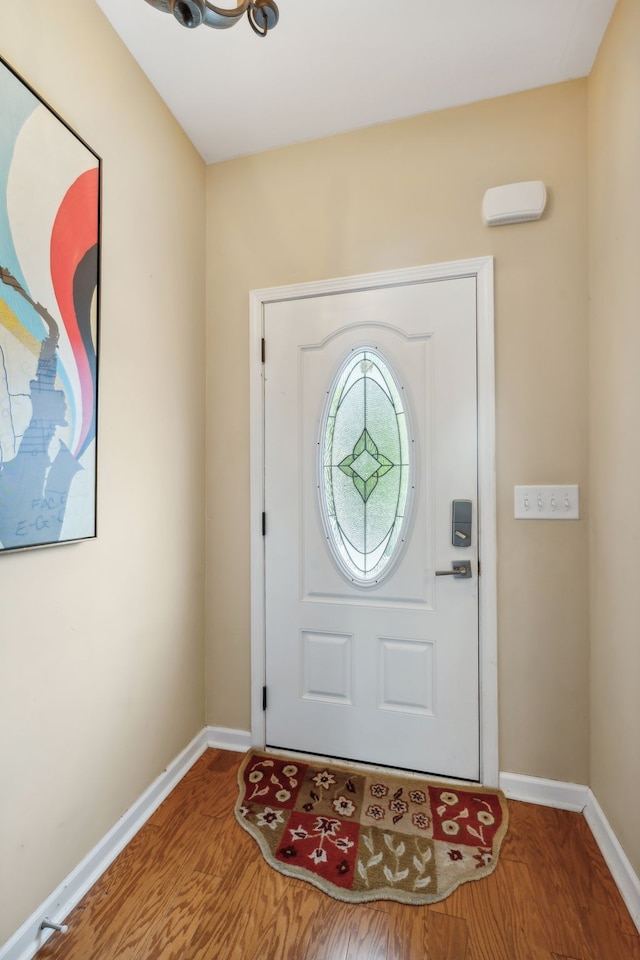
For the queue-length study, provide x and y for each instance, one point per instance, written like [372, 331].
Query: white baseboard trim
[26, 941]
[224, 738]
[548, 793]
[625, 877]
[576, 797]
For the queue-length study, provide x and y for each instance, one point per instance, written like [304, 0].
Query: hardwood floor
[192, 885]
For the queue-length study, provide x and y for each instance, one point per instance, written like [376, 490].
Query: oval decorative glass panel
[364, 467]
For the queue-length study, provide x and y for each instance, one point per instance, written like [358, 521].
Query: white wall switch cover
[549, 502]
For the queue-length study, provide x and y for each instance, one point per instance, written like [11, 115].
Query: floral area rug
[368, 836]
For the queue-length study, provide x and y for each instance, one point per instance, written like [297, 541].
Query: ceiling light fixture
[262, 14]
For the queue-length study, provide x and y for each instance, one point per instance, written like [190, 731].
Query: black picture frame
[50, 266]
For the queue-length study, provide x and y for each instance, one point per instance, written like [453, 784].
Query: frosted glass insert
[365, 467]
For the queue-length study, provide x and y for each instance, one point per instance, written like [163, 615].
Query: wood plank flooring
[192, 885]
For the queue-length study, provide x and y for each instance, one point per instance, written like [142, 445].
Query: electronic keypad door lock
[461, 523]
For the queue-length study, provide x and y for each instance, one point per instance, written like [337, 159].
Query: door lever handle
[460, 569]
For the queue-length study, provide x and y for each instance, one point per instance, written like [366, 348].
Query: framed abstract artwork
[49, 305]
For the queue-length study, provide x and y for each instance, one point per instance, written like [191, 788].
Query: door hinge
[264, 698]
[262, 350]
[264, 524]
[478, 568]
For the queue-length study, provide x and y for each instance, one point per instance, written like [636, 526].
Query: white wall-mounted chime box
[514, 203]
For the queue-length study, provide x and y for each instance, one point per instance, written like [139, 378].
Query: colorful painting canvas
[49, 295]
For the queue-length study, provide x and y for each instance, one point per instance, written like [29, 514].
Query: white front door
[370, 434]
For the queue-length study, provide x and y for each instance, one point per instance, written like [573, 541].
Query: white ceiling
[336, 65]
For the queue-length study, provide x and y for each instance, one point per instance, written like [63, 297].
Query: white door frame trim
[482, 269]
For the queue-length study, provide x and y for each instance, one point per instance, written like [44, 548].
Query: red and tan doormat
[369, 836]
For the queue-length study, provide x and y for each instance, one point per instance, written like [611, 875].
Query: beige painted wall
[398, 195]
[614, 258]
[94, 703]
[101, 647]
